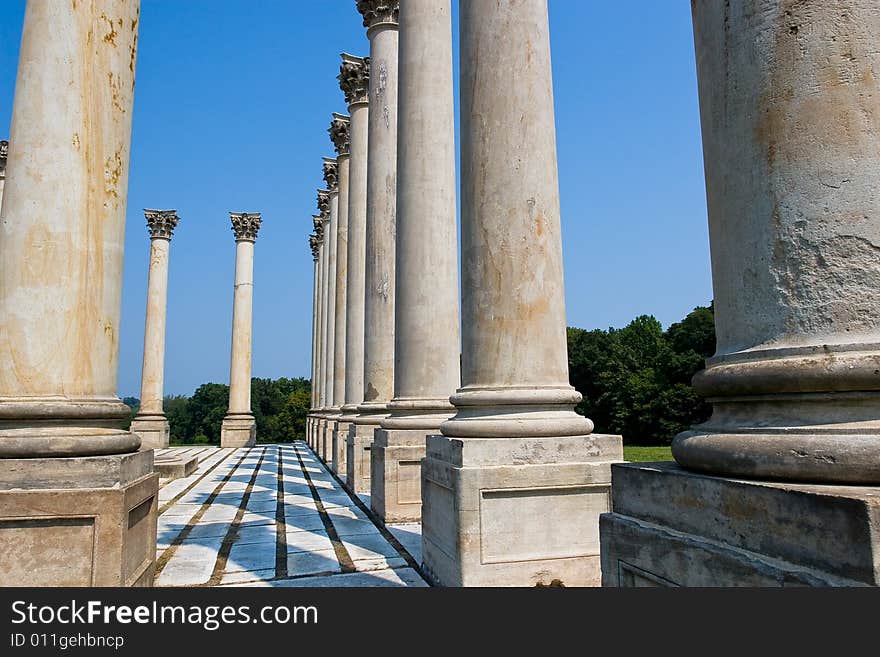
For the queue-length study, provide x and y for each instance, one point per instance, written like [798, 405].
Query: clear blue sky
[232, 104]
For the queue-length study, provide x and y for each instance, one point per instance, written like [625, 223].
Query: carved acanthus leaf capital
[330, 173]
[245, 225]
[161, 223]
[339, 133]
[318, 223]
[379, 11]
[324, 204]
[4, 150]
[354, 78]
[315, 246]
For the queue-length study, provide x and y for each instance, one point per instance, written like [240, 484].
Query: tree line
[636, 381]
[279, 407]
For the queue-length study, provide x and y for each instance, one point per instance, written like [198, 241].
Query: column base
[154, 430]
[395, 474]
[238, 430]
[515, 511]
[322, 439]
[671, 527]
[357, 458]
[338, 448]
[78, 521]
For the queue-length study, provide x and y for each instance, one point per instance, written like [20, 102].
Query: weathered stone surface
[396, 479]
[78, 521]
[238, 430]
[154, 430]
[172, 465]
[792, 152]
[357, 459]
[671, 527]
[523, 521]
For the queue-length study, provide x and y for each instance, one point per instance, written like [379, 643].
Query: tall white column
[328, 205]
[513, 489]
[380, 19]
[150, 423]
[314, 247]
[426, 330]
[77, 501]
[4, 147]
[339, 135]
[239, 428]
[354, 76]
[318, 223]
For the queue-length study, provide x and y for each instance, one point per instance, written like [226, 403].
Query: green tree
[207, 407]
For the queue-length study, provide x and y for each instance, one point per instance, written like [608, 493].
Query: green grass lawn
[635, 453]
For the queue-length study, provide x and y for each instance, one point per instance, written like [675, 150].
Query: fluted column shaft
[62, 231]
[788, 103]
[325, 281]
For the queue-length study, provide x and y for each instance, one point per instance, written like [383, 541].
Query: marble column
[354, 76]
[4, 147]
[150, 423]
[239, 428]
[791, 140]
[426, 328]
[77, 500]
[314, 246]
[318, 223]
[328, 205]
[339, 135]
[513, 488]
[380, 19]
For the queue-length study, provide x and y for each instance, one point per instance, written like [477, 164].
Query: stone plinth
[671, 527]
[80, 521]
[515, 512]
[154, 430]
[358, 457]
[171, 465]
[395, 474]
[338, 448]
[238, 430]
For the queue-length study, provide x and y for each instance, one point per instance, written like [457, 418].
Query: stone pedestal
[338, 448]
[516, 512]
[238, 430]
[671, 527]
[154, 430]
[78, 521]
[395, 477]
[358, 457]
[77, 500]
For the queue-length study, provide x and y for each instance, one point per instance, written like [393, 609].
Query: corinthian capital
[330, 173]
[161, 223]
[245, 225]
[339, 133]
[314, 245]
[324, 204]
[318, 223]
[354, 78]
[379, 11]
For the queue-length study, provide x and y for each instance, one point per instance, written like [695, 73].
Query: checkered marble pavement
[273, 515]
